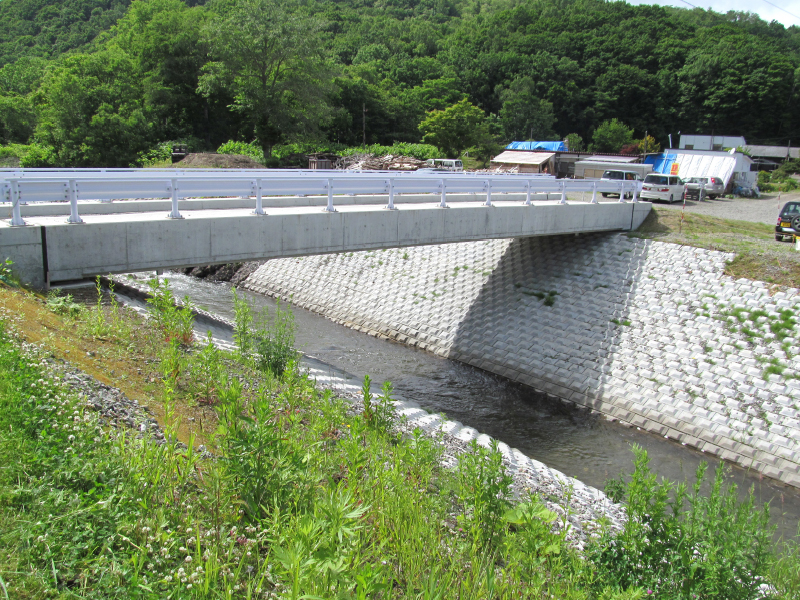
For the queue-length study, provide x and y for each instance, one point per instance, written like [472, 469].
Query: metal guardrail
[40, 185]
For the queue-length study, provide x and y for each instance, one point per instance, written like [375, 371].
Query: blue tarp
[662, 163]
[548, 146]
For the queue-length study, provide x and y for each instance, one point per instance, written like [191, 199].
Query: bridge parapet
[18, 187]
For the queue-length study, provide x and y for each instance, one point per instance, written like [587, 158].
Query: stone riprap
[651, 334]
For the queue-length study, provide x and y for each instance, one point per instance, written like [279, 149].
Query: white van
[445, 164]
[619, 175]
[662, 187]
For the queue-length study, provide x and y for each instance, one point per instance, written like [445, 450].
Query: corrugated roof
[523, 158]
[615, 159]
[772, 151]
[550, 146]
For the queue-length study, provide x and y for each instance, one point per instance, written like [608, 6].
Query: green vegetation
[758, 255]
[780, 179]
[107, 82]
[299, 496]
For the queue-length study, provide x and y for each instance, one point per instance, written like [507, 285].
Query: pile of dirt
[371, 162]
[218, 161]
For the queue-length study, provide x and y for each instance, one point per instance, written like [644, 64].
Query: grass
[758, 255]
[302, 496]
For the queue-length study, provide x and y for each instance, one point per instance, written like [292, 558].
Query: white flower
[188, 559]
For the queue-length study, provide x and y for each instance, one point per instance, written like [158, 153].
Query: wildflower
[188, 558]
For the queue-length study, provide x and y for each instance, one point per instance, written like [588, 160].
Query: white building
[710, 142]
[734, 168]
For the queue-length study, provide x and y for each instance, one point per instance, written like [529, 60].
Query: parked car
[713, 186]
[446, 164]
[788, 224]
[621, 175]
[662, 187]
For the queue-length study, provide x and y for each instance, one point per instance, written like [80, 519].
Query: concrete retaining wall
[641, 331]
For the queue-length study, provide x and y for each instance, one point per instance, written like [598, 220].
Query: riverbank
[651, 334]
[111, 511]
[586, 506]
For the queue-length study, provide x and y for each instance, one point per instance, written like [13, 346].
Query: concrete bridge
[271, 214]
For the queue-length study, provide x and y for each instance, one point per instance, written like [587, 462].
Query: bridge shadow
[553, 313]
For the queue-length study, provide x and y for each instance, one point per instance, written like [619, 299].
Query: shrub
[686, 545]
[154, 156]
[420, 151]
[274, 344]
[251, 150]
[30, 155]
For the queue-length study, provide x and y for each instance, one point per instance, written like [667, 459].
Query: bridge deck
[50, 250]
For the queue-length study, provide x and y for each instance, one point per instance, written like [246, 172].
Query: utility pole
[364, 124]
[645, 141]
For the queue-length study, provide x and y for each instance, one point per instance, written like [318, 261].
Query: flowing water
[569, 439]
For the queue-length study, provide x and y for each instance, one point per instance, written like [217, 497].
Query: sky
[766, 9]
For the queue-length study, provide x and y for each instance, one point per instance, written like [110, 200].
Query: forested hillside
[104, 82]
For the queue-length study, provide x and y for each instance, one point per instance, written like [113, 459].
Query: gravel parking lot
[756, 210]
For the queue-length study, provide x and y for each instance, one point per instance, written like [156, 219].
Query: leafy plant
[274, 342]
[62, 305]
[175, 322]
[485, 490]
[681, 544]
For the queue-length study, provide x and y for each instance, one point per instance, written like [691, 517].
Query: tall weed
[682, 544]
[485, 490]
[175, 322]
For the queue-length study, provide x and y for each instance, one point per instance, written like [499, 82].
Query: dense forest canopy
[94, 82]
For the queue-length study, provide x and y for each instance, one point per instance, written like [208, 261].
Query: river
[579, 444]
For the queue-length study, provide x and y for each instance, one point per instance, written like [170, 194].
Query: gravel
[755, 210]
[114, 408]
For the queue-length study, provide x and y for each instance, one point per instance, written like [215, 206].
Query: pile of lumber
[370, 162]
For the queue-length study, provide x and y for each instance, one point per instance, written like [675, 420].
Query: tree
[456, 128]
[575, 142]
[611, 136]
[523, 115]
[270, 56]
[647, 145]
[92, 112]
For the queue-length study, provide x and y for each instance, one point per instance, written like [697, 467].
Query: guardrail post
[528, 194]
[488, 184]
[74, 217]
[330, 208]
[622, 192]
[16, 215]
[175, 214]
[635, 198]
[563, 199]
[259, 208]
[391, 205]
[594, 193]
[443, 203]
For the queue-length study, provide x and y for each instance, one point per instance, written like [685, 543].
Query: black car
[788, 222]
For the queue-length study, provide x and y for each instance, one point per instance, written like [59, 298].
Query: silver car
[713, 186]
